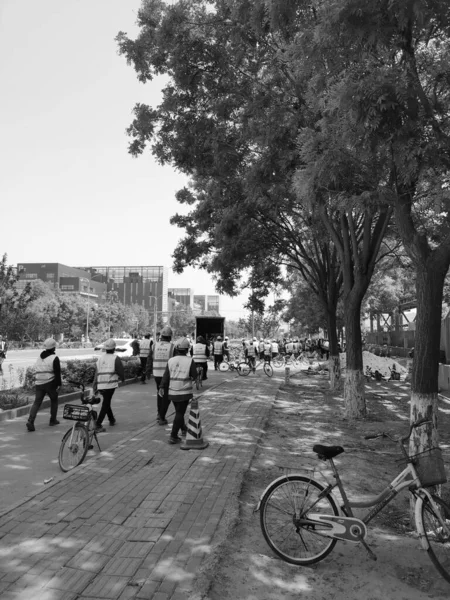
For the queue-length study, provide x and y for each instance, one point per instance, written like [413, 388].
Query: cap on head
[184, 344]
[226, 337]
[49, 343]
[109, 344]
[219, 337]
[166, 331]
[254, 339]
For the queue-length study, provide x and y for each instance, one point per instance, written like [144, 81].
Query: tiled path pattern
[144, 520]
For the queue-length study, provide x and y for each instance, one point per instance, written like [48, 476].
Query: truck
[209, 327]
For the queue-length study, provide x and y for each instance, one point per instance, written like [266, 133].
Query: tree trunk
[334, 361]
[424, 384]
[354, 398]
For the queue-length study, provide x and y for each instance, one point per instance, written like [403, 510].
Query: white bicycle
[302, 520]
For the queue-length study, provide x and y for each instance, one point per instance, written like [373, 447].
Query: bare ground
[304, 414]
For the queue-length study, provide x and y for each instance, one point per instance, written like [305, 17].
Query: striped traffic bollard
[194, 435]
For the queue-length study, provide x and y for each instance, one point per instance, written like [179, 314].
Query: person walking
[200, 354]
[226, 349]
[108, 371]
[177, 380]
[48, 381]
[218, 352]
[145, 350]
[3, 351]
[135, 345]
[163, 350]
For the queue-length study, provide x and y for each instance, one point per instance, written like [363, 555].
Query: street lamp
[91, 278]
[155, 298]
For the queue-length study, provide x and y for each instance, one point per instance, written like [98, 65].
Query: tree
[393, 93]
[230, 118]
[182, 321]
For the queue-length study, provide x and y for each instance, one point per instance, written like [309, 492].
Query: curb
[21, 411]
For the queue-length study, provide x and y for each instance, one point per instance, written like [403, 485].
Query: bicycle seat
[327, 452]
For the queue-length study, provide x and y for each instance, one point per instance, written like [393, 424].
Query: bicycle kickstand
[96, 439]
[371, 554]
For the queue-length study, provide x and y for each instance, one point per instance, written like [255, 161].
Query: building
[66, 279]
[180, 297]
[206, 304]
[147, 286]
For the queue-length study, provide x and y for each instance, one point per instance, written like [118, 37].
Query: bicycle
[302, 520]
[244, 367]
[78, 439]
[285, 360]
[229, 366]
[199, 378]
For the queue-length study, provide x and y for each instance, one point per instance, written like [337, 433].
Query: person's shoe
[112, 423]
[30, 426]
[174, 440]
[183, 433]
[100, 429]
[163, 422]
[52, 423]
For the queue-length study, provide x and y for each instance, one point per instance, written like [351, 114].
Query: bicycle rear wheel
[243, 368]
[74, 448]
[268, 369]
[224, 366]
[285, 524]
[437, 535]
[277, 363]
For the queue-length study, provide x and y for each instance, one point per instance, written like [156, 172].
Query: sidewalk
[143, 520]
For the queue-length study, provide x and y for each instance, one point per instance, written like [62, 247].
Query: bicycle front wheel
[224, 366]
[285, 523]
[73, 448]
[278, 363]
[268, 369]
[243, 368]
[436, 525]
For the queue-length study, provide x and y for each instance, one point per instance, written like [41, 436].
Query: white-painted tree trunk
[425, 437]
[354, 398]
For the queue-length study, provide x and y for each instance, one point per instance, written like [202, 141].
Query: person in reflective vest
[48, 381]
[267, 351]
[177, 380]
[250, 353]
[162, 351]
[275, 348]
[218, 352]
[145, 348]
[261, 348]
[200, 354]
[108, 372]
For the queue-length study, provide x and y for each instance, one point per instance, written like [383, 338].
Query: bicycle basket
[76, 412]
[430, 467]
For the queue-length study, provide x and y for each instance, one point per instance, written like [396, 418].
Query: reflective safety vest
[199, 353]
[274, 347]
[161, 354]
[261, 346]
[107, 377]
[295, 346]
[180, 382]
[44, 369]
[218, 348]
[145, 348]
[267, 348]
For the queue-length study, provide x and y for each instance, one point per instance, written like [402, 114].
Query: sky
[69, 190]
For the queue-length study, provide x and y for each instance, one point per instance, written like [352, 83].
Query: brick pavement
[144, 520]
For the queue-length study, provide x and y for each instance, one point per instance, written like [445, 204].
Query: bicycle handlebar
[418, 423]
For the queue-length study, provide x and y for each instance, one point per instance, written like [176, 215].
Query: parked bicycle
[78, 440]
[245, 367]
[285, 360]
[302, 520]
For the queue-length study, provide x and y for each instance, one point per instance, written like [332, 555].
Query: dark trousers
[204, 365]
[143, 360]
[162, 403]
[106, 410]
[41, 391]
[178, 422]
[218, 358]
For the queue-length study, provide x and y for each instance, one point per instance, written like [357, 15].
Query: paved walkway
[143, 520]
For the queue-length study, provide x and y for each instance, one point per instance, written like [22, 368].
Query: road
[29, 459]
[18, 360]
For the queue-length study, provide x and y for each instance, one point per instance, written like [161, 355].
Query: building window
[67, 287]
[50, 276]
[31, 276]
